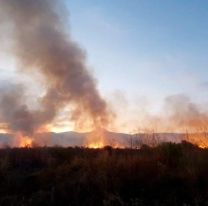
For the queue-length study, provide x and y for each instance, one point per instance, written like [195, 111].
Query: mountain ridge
[73, 138]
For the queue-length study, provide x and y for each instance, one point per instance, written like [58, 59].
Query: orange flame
[200, 139]
[96, 139]
[96, 145]
[26, 142]
[99, 139]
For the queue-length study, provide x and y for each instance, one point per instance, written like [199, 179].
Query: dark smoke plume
[40, 42]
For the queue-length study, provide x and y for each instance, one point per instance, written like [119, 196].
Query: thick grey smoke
[38, 39]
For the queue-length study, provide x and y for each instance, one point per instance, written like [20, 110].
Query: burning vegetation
[149, 167]
[42, 46]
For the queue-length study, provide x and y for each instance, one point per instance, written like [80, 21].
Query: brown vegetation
[169, 174]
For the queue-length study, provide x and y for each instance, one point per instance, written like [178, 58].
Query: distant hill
[5, 140]
[66, 139]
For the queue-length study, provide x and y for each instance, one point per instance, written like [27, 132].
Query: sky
[139, 51]
[142, 48]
